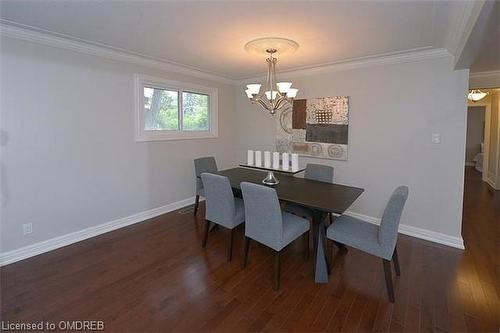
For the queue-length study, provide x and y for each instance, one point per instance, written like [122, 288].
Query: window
[168, 110]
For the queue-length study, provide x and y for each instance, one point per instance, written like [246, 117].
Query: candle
[258, 158]
[250, 157]
[276, 160]
[286, 161]
[295, 162]
[267, 159]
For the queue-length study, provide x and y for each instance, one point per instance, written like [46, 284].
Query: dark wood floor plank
[354, 315]
[280, 310]
[383, 319]
[301, 307]
[412, 319]
[263, 296]
[251, 314]
[368, 316]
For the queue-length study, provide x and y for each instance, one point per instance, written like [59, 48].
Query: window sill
[146, 137]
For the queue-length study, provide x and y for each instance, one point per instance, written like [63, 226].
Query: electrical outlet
[27, 228]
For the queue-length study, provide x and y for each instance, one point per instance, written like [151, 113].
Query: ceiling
[488, 55]
[210, 36]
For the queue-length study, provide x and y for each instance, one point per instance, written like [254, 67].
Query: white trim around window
[142, 134]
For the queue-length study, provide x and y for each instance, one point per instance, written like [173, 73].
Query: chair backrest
[201, 165]
[263, 219]
[388, 231]
[319, 172]
[219, 198]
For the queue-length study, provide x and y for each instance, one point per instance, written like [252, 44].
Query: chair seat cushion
[293, 227]
[298, 210]
[240, 211]
[358, 234]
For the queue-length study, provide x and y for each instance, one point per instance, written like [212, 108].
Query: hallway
[479, 267]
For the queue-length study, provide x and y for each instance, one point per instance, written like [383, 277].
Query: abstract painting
[316, 127]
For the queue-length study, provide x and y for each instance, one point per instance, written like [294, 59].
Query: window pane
[161, 109]
[195, 115]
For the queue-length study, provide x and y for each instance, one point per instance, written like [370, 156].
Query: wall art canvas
[316, 127]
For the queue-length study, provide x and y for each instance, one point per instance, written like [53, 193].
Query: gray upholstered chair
[202, 164]
[380, 240]
[268, 225]
[318, 172]
[222, 207]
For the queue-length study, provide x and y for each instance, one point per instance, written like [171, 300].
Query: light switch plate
[436, 138]
[27, 228]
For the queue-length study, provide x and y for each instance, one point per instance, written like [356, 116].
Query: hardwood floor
[155, 276]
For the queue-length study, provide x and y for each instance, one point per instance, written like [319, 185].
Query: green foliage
[162, 114]
[163, 108]
[195, 117]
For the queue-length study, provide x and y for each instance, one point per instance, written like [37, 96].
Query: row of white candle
[254, 158]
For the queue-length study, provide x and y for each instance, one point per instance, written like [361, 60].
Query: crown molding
[377, 60]
[462, 26]
[485, 74]
[31, 34]
[484, 80]
[469, 44]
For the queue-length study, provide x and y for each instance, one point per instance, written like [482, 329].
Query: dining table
[320, 197]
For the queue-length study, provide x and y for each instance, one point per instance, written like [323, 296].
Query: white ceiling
[210, 35]
[488, 56]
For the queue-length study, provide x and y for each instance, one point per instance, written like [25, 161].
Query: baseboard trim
[432, 236]
[490, 182]
[78, 236]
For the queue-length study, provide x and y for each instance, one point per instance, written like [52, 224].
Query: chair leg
[395, 260]
[306, 245]
[388, 279]
[205, 235]
[277, 270]
[342, 248]
[196, 203]
[230, 244]
[329, 249]
[246, 247]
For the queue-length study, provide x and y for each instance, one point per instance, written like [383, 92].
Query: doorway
[474, 150]
[483, 137]
[481, 209]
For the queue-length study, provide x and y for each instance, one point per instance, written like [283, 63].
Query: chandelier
[476, 95]
[275, 95]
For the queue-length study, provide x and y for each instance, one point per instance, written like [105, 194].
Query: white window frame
[142, 135]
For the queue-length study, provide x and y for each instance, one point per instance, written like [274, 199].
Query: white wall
[494, 147]
[394, 109]
[69, 159]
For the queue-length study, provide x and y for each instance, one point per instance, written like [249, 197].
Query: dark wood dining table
[321, 198]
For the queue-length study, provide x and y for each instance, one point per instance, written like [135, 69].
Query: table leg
[319, 232]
